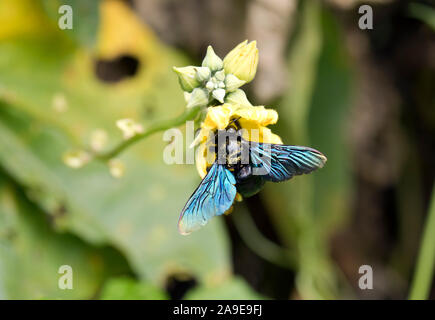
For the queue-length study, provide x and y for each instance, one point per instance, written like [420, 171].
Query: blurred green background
[365, 98]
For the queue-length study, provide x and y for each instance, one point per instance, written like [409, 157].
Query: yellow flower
[253, 119]
[242, 61]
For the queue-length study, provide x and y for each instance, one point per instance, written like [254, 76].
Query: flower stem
[423, 275]
[188, 114]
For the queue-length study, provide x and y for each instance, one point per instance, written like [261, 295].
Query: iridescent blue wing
[281, 162]
[214, 195]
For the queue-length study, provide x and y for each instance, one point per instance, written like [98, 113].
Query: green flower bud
[219, 94]
[220, 75]
[238, 97]
[198, 98]
[186, 77]
[186, 96]
[203, 74]
[209, 85]
[212, 61]
[242, 61]
[232, 83]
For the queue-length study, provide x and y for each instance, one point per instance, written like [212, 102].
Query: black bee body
[233, 152]
[247, 183]
[242, 167]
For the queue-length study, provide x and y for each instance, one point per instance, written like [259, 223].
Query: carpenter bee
[243, 167]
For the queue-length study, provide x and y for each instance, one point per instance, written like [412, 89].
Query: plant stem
[423, 275]
[189, 114]
[259, 244]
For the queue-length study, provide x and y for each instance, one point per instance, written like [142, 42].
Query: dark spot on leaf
[178, 284]
[117, 69]
[60, 211]
[149, 111]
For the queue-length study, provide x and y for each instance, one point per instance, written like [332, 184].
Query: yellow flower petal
[253, 121]
[239, 197]
[201, 162]
[242, 61]
[200, 137]
[267, 136]
[259, 114]
[229, 211]
[204, 159]
[218, 117]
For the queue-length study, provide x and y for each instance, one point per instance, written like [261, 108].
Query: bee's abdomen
[249, 186]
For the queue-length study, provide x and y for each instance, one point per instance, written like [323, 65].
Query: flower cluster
[216, 85]
[213, 88]
[216, 79]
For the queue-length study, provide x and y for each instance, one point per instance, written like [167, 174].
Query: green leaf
[424, 271]
[137, 214]
[85, 16]
[31, 253]
[424, 13]
[234, 288]
[124, 288]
